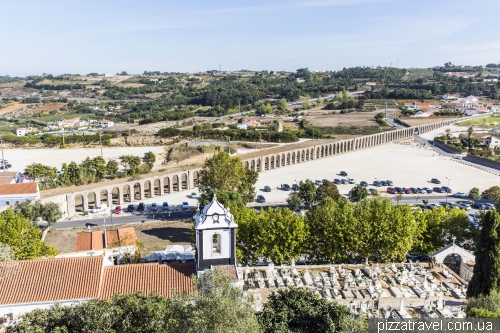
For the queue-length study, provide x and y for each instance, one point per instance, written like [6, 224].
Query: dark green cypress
[487, 268]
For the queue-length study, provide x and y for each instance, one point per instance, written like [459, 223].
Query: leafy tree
[484, 306]
[493, 193]
[28, 209]
[474, 194]
[470, 130]
[150, 159]
[297, 310]
[358, 193]
[328, 190]
[425, 202]
[278, 235]
[282, 104]
[487, 268]
[265, 109]
[51, 212]
[223, 172]
[74, 174]
[23, 238]
[307, 102]
[131, 163]
[307, 191]
[294, 201]
[45, 175]
[112, 169]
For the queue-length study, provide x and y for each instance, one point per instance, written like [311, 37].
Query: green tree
[328, 190]
[294, 201]
[131, 163]
[23, 238]
[150, 159]
[470, 130]
[307, 191]
[278, 235]
[307, 102]
[27, 209]
[45, 175]
[297, 310]
[282, 104]
[425, 202]
[74, 174]
[51, 212]
[358, 193]
[223, 172]
[484, 306]
[493, 193]
[112, 169]
[486, 276]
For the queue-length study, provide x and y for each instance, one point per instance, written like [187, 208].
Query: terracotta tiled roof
[230, 270]
[86, 241]
[164, 279]
[51, 279]
[7, 177]
[21, 188]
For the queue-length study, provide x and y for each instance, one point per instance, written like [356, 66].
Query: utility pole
[3, 159]
[100, 141]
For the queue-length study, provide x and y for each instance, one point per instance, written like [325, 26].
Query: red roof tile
[87, 241]
[21, 188]
[51, 279]
[164, 279]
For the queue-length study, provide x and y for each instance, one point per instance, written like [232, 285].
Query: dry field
[12, 84]
[50, 107]
[154, 235]
[337, 119]
[12, 107]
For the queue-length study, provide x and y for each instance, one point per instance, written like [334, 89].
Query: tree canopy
[226, 173]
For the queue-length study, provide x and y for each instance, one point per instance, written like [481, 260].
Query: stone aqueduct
[135, 191]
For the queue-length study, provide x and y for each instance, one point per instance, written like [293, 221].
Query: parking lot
[406, 165]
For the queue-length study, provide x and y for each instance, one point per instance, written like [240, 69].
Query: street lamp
[447, 189]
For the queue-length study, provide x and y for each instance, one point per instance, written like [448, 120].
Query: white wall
[225, 243]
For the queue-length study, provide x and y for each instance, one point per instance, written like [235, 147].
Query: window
[216, 244]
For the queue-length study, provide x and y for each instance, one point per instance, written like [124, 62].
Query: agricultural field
[481, 121]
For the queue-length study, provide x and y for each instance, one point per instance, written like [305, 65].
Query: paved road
[392, 123]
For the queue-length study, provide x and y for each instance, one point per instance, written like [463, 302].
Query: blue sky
[108, 36]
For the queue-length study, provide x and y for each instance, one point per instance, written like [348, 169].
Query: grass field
[381, 102]
[480, 121]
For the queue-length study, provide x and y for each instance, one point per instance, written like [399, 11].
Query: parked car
[260, 198]
[408, 191]
[463, 206]
[153, 207]
[351, 181]
[376, 183]
[364, 184]
[325, 181]
[435, 181]
[373, 191]
[418, 257]
[447, 204]
[185, 205]
[383, 183]
[344, 182]
[432, 206]
[391, 190]
[165, 206]
[413, 190]
[459, 195]
[130, 208]
[400, 190]
[420, 191]
[389, 183]
[343, 173]
[295, 187]
[422, 206]
[336, 181]
[318, 182]
[286, 187]
[438, 189]
[426, 189]
[489, 206]
[141, 207]
[457, 157]
[446, 189]
[267, 189]
[478, 205]
[99, 208]
[118, 209]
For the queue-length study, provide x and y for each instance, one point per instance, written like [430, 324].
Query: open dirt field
[155, 235]
[349, 119]
[12, 107]
[12, 84]
[50, 107]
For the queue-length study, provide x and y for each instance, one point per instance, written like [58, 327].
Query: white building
[73, 122]
[25, 130]
[105, 123]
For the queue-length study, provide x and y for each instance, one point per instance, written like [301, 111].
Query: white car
[318, 182]
[100, 208]
[185, 205]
